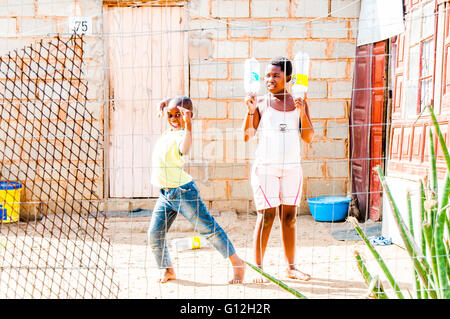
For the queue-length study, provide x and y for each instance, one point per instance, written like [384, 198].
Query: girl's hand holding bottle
[251, 83]
[250, 101]
[302, 105]
[299, 102]
[163, 104]
[187, 115]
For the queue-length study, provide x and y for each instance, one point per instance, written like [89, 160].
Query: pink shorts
[274, 186]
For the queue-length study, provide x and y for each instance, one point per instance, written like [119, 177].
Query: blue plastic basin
[329, 209]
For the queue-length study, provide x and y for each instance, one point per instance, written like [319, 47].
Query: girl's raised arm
[252, 118]
[187, 141]
[307, 131]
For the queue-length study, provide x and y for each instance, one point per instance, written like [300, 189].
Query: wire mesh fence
[50, 146]
[67, 166]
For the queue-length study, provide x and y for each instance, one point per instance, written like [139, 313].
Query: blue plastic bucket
[329, 209]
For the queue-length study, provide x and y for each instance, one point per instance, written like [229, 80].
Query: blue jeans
[185, 200]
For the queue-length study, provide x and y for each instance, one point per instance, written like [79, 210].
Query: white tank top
[278, 137]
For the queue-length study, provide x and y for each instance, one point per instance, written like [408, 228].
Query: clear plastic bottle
[300, 77]
[188, 243]
[251, 76]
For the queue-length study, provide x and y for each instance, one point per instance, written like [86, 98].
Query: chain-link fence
[49, 162]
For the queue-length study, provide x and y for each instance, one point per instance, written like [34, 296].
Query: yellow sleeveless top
[167, 161]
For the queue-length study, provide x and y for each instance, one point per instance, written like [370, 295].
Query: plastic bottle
[300, 77]
[251, 76]
[187, 243]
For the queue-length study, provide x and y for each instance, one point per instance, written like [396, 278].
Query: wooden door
[146, 64]
[367, 127]
[377, 127]
[359, 118]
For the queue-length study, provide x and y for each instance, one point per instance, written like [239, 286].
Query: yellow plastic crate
[9, 201]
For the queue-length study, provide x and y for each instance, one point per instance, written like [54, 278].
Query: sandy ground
[203, 273]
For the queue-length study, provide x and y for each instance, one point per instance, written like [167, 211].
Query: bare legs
[261, 235]
[288, 235]
[264, 222]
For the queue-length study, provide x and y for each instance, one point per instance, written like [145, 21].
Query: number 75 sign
[80, 25]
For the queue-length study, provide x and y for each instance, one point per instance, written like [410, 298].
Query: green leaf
[420, 264]
[277, 282]
[376, 288]
[445, 192]
[441, 256]
[422, 218]
[440, 137]
[377, 256]
[374, 284]
[434, 180]
[411, 229]
[433, 274]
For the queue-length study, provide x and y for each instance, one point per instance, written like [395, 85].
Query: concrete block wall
[222, 34]
[228, 32]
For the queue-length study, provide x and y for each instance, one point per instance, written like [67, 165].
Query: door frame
[107, 88]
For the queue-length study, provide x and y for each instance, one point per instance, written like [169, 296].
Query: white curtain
[379, 20]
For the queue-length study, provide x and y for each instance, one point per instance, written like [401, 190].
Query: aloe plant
[430, 260]
[377, 256]
[417, 283]
[376, 289]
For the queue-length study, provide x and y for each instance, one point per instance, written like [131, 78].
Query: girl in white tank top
[276, 176]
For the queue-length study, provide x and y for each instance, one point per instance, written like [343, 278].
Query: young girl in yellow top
[179, 194]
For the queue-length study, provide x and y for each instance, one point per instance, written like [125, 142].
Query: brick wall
[226, 33]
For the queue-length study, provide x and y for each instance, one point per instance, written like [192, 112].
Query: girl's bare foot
[260, 280]
[297, 274]
[169, 274]
[238, 269]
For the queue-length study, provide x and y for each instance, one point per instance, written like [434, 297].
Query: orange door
[146, 64]
[377, 126]
[367, 127]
